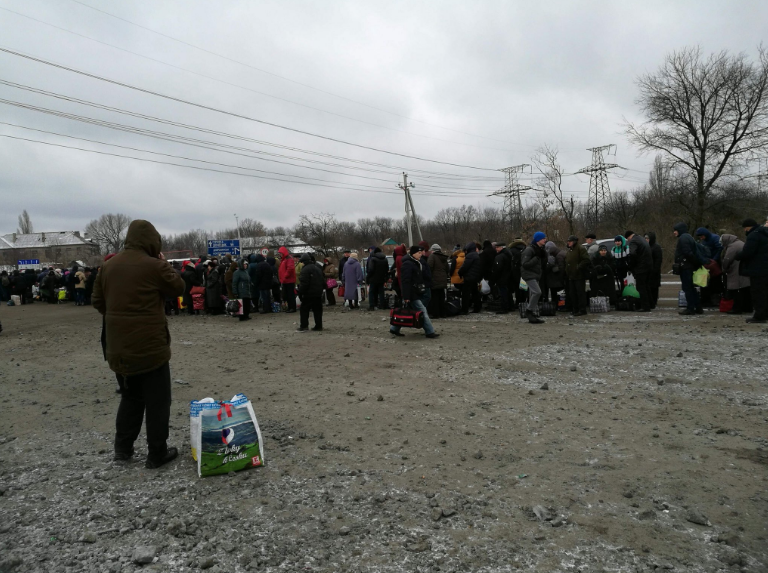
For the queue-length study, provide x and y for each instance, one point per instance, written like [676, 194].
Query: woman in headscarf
[353, 277]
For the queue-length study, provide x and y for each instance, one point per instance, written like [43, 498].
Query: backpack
[702, 252]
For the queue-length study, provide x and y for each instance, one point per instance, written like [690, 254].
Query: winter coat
[411, 273]
[532, 262]
[640, 256]
[80, 280]
[213, 290]
[241, 282]
[330, 271]
[754, 255]
[621, 259]
[228, 277]
[261, 277]
[343, 262]
[378, 269]
[130, 292]
[712, 241]
[458, 257]
[516, 249]
[685, 250]
[502, 268]
[487, 260]
[287, 271]
[732, 246]
[602, 281]
[190, 278]
[438, 266]
[400, 252]
[311, 281]
[593, 249]
[472, 269]
[577, 263]
[353, 276]
[657, 254]
[555, 268]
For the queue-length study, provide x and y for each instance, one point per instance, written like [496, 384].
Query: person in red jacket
[287, 275]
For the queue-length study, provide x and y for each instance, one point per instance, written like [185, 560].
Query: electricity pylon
[599, 190]
[410, 212]
[513, 194]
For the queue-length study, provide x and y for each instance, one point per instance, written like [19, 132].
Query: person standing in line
[438, 266]
[412, 285]
[331, 273]
[344, 258]
[737, 285]
[753, 260]
[502, 274]
[352, 278]
[129, 292]
[287, 276]
[213, 301]
[261, 282]
[516, 249]
[658, 257]
[377, 273]
[592, 245]
[79, 288]
[533, 261]
[577, 268]
[242, 288]
[641, 265]
[311, 287]
[687, 258]
[458, 261]
[472, 273]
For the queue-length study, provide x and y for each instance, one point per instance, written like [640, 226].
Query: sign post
[218, 248]
[29, 263]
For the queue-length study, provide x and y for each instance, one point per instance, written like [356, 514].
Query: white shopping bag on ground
[485, 287]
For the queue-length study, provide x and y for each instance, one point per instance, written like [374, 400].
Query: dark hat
[618, 239]
[628, 234]
[749, 223]
[573, 238]
[591, 236]
[415, 249]
[347, 251]
[603, 248]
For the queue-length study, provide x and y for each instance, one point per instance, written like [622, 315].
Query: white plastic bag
[630, 280]
[485, 288]
[523, 285]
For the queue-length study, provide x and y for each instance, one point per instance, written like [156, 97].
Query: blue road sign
[29, 262]
[217, 248]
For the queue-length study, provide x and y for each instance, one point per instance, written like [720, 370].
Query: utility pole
[410, 212]
[513, 194]
[239, 242]
[599, 190]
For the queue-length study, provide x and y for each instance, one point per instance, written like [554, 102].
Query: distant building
[255, 244]
[58, 247]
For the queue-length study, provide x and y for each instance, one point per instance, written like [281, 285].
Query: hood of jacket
[728, 240]
[142, 236]
[470, 247]
[379, 255]
[704, 232]
[258, 258]
[241, 264]
[254, 258]
[623, 243]
[551, 248]
[400, 251]
[284, 252]
[681, 228]
[651, 238]
[272, 262]
[305, 258]
[518, 245]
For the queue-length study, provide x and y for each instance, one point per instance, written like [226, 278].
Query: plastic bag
[631, 290]
[523, 285]
[225, 435]
[599, 304]
[485, 288]
[701, 277]
[630, 280]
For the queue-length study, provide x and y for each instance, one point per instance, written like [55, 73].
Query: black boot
[532, 318]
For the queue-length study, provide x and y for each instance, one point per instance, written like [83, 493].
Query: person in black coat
[311, 288]
[472, 273]
[189, 274]
[488, 260]
[754, 264]
[602, 280]
[261, 277]
[378, 272]
[516, 250]
[641, 265]
[657, 254]
[502, 276]
[412, 288]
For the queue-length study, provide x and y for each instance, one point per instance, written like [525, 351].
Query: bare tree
[108, 231]
[551, 184]
[25, 224]
[320, 231]
[704, 114]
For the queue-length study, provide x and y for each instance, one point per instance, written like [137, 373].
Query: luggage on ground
[406, 318]
[599, 304]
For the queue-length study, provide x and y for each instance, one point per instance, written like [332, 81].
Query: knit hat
[538, 236]
[424, 245]
[415, 249]
[591, 236]
[603, 248]
[436, 248]
[749, 223]
[618, 239]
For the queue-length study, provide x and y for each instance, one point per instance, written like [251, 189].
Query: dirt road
[619, 442]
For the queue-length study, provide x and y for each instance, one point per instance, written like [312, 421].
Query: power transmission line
[233, 114]
[286, 78]
[225, 82]
[512, 193]
[599, 189]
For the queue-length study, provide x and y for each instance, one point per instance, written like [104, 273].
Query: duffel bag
[626, 303]
[406, 318]
[453, 307]
[547, 308]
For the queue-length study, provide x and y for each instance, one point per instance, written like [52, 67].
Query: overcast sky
[474, 83]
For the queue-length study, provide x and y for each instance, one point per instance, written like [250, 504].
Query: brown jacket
[130, 292]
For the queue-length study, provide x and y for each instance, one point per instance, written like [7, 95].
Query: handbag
[331, 283]
[626, 303]
[726, 304]
[406, 318]
[714, 268]
[341, 290]
[234, 307]
[599, 304]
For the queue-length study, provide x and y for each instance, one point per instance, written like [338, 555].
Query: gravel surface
[619, 442]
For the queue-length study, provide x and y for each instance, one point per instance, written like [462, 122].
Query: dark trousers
[315, 304]
[653, 289]
[276, 296]
[150, 392]
[376, 296]
[759, 288]
[577, 295]
[437, 309]
[266, 300]
[742, 301]
[691, 294]
[643, 286]
[289, 295]
[471, 294]
[329, 296]
[504, 298]
[246, 309]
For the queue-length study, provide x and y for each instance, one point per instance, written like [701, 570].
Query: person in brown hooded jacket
[130, 292]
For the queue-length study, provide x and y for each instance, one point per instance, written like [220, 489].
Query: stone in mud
[698, 518]
[541, 512]
[144, 554]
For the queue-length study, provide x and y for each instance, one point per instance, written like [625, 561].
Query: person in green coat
[241, 288]
[577, 268]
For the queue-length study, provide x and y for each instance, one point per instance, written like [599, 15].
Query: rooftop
[40, 240]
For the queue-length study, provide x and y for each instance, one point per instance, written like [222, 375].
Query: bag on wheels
[406, 318]
[225, 435]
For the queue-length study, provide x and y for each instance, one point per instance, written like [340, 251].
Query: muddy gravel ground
[619, 442]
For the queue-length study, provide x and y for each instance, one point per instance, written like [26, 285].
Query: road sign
[217, 248]
[29, 263]
[265, 251]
